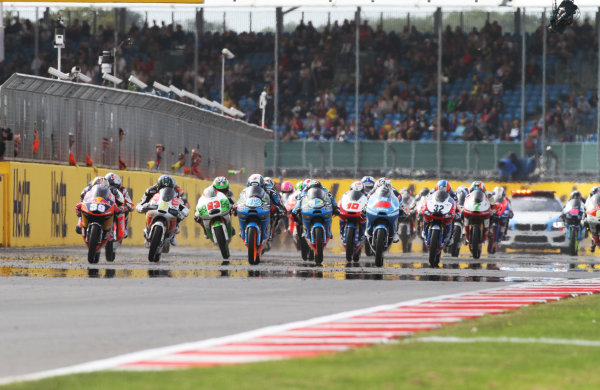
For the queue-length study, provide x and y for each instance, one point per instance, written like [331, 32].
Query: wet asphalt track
[57, 310]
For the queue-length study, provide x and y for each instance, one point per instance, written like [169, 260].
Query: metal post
[522, 29]
[462, 21]
[95, 26]
[197, 26]
[438, 26]
[58, 67]
[356, 91]
[408, 20]
[598, 93]
[278, 30]
[116, 43]
[544, 55]
[36, 31]
[224, 25]
[250, 18]
[222, 78]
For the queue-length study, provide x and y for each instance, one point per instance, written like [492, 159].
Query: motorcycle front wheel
[492, 240]
[404, 237]
[220, 234]
[573, 241]
[94, 237]
[155, 238]
[475, 240]
[380, 238]
[350, 231]
[434, 258]
[110, 251]
[455, 248]
[319, 245]
[252, 249]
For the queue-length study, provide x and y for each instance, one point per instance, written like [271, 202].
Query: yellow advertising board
[39, 204]
[38, 201]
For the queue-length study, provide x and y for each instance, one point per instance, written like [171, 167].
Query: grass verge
[406, 365]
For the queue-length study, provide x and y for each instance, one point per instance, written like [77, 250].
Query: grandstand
[397, 75]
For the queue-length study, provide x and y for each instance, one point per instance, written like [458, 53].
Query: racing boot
[78, 226]
[174, 240]
[396, 238]
[593, 247]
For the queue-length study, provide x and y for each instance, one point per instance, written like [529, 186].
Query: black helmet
[575, 195]
[424, 192]
[165, 181]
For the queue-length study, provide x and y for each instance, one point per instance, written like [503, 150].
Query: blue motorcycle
[254, 210]
[383, 210]
[316, 210]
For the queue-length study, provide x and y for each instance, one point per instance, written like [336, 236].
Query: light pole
[128, 42]
[225, 53]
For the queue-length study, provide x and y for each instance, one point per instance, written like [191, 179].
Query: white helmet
[255, 180]
[357, 186]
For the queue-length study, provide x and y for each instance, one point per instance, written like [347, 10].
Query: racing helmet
[595, 190]
[305, 184]
[287, 187]
[575, 195]
[268, 183]
[221, 184]
[113, 179]
[210, 192]
[368, 182]
[166, 181]
[255, 180]
[98, 180]
[299, 185]
[424, 192]
[499, 194]
[384, 181]
[477, 185]
[314, 184]
[357, 186]
[444, 186]
[462, 190]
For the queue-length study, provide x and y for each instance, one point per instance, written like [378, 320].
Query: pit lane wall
[38, 204]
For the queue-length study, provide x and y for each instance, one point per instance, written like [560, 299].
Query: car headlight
[558, 225]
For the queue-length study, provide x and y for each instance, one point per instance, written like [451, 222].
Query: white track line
[513, 340]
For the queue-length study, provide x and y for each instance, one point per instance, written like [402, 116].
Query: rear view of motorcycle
[97, 217]
[573, 214]
[500, 216]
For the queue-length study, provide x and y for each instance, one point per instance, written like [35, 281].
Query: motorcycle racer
[120, 192]
[356, 186]
[162, 182]
[98, 180]
[442, 186]
[316, 184]
[368, 183]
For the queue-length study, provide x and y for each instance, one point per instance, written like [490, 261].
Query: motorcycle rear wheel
[155, 238]
[434, 256]
[404, 237]
[380, 238]
[304, 248]
[319, 245]
[222, 242]
[491, 249]
[94, 237]
[350, 231]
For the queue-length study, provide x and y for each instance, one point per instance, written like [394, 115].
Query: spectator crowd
[398, 78]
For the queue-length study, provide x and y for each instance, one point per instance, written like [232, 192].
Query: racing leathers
[184, 207]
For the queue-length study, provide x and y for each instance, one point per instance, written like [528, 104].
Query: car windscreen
[532, 203]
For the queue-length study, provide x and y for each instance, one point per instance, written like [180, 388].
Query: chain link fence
[109, 125]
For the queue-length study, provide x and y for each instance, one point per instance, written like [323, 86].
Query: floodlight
[161, 87]
[58, 74]
[176, 90]
[227, 54]
[137, 82]
[111, 78]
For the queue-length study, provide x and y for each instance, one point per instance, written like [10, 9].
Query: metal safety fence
[404, 158]
[51, 119]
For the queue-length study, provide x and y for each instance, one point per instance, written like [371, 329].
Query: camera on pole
[106, 61]
[59, 34]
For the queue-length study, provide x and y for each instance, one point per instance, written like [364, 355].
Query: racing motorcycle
[457, 238]
[316, 211]
[476, 221]
[438, 212]
[573, 214]
[405, 227]
[294, 226]
[500, 216]
[98, 209]
[352, 209]
[592, 218]
[417, 212]
[213, 211]
[383, 210]
[162, 213]
[254, 210]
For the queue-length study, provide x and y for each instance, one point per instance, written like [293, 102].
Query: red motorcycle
[98, 209]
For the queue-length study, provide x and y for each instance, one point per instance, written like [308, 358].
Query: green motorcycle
[213, 211]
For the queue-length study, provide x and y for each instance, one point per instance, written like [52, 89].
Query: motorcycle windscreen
[354, 195]
[167, 194]
[98, 191]
[593, 202]
[384, 191]
[461, 196]
[441, 196]
[478, 197]
[316, 193]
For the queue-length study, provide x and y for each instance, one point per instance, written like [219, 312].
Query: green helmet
[221, 184]
[299, 185]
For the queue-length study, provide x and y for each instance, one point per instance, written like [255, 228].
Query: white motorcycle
[213, 211]
[162, 212]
